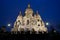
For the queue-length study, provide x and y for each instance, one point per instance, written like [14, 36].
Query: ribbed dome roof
[29, 10]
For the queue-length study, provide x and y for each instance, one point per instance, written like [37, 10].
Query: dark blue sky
[48, 9]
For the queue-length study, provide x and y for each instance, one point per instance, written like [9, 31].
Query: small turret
[20, 13]
[37, 13]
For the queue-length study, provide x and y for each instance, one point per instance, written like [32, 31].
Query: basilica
[30, 21]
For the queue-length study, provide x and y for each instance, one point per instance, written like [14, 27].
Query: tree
[3, 29]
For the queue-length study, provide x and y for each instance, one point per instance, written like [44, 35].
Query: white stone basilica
[29, 22]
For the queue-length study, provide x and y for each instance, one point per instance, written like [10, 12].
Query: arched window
[38, 20]
[41, 21]
[16, 23]
[27, 22]
[20, 23]
[18, 20]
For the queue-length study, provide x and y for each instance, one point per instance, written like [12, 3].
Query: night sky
[49, 11]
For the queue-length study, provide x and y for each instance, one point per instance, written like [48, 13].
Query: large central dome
[28, 10]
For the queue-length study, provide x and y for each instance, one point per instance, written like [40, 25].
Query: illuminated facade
[29, 22]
